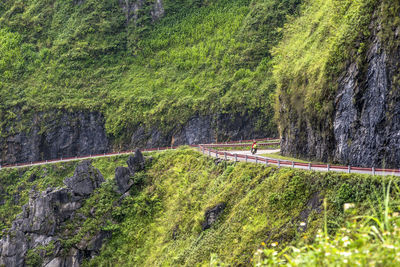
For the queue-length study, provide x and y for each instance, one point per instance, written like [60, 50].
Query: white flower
[388, 246]
[302, 224]
[345, 254]
[347, 206]
[346, 238]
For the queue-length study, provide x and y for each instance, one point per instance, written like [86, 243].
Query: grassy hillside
[161, 223]
[204, 57]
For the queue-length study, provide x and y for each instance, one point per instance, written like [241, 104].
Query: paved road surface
[284, 163]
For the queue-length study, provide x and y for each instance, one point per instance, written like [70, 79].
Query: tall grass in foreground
[368, 240]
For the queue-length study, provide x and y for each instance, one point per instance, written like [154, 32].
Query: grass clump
[366, 240]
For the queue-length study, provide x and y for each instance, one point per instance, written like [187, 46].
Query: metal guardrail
[62, 159]
[207, 149]
[300, 165]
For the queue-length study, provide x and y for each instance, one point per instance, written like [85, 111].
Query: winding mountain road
[215, 150]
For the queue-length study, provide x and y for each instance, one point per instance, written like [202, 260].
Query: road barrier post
[266, 162]
[209, 152]
[309, 166]
[328, 167]
[225, 157]
[216, 154]
[373, 170]
[279, 163]
[349, 169]
[246, 158]
[202, 148]
[235, 157]
[292, 164]
[256, 159]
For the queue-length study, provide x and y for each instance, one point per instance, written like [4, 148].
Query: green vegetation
[203, 57]
[15, 185]
[317, 48]
[161, 222]
[367, 240]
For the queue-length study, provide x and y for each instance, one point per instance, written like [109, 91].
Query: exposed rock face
[137, 162]
[123, 179]
[212, 215]
[123, 175]
[43, 217]
[53, 136]
[132, 8]
[85, 180]
[201, 129]
[360, 118]
[61, 135]
[364, 128]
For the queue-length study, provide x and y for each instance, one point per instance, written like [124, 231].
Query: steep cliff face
[361, 126]
[201, 129]
[364, 131]
[56, 135]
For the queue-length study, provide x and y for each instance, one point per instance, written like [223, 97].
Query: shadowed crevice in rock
[212, 215]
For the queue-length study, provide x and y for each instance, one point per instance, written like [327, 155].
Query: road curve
[236, 155]
[245, 156]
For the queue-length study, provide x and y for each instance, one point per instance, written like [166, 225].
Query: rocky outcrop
[136, 163]
[42, 220]
[132, 8]
[55, 135]
[123, 176]
[212, 215]
[364, 127]
[123, 179]
[85, 180]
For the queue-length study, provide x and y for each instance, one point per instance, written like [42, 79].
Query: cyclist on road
[254, 148]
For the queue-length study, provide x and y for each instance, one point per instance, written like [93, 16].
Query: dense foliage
[161, 222]
[204, 57]
[316, 50]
